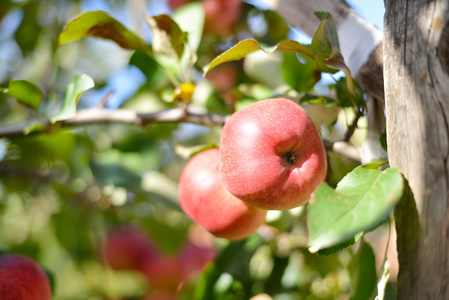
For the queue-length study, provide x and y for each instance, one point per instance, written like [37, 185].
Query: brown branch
[353, 126]
[97, 115]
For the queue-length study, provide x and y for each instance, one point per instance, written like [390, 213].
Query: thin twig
[353, 126]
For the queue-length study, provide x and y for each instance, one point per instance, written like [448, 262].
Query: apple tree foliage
[73, 166]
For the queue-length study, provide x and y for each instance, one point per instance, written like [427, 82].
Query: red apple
[221, 15]
[197, 251]
[127, 248]
[271, 155]
[223, 78]
[161, 296]
[174, 4]
[164, 274]
[193, 258]
[21, 278]
[205, 200]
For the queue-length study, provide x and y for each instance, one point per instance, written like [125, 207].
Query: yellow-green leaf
[80, 84]
[325, 48]
[248, 46]
[168, 38]
[25, 92]
[102, 25]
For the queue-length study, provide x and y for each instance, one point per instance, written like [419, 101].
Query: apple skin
[21, 278]
[205, 200]
[271, 155]
[127, 249]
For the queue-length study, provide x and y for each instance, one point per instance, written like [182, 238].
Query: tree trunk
[416, 72]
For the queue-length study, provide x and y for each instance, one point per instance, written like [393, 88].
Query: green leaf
[33, 127]
[313, 99]
[245, 47]
[300, 75]
[342, 245]
[362, 268]
[375, 164]
[168, 38]
[25, 92]
[230, 260]
[325, 47]
[80, 84]
[190, 18]
[360, 202]
[321, 15]
[100, 24]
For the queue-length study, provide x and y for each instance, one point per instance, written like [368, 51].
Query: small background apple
[21, 278]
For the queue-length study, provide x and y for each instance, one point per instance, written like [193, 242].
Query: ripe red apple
[271, 155]
[127, 248]
[205, 200]
[21, 278]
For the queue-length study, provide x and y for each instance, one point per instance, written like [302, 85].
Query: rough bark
[416, 72]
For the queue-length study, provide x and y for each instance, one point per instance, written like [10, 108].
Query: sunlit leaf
[190, 18]
[375, 164]
[360, 202]
[326, 49]
[248, 46]
[25, 92]
[79, 85]
[102, 25]
[168, 38]
[362, 269]
[312, 99]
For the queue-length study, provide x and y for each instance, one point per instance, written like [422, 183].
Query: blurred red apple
[197, 252]
[127, 249]
[161, 296]
[174, 4]
[221, 15]
[164, 274]
[194, 257]
[223, 78]
[205, 200]
[271, 155]
[21, 278]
